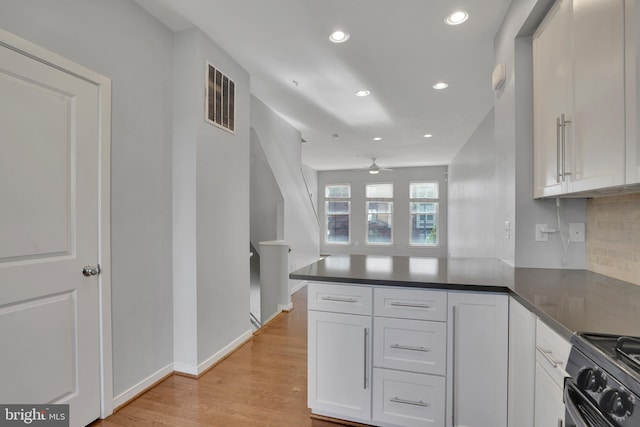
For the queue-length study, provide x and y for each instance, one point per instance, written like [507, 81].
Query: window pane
[424, 221]
[337, 207]
[379, 191]
[337, 191]
[337, 214]
[423, 190]
[379, 222]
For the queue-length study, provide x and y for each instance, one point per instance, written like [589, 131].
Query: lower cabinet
[339, 370]
[552, 352]
[478, 349]
[549, 407]
[411, 358]
[408, 399]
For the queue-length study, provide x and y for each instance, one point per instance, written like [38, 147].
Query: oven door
[580, 411]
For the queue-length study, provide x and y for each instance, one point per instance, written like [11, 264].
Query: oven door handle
[575, 414]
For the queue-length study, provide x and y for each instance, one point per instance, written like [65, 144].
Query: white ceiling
[398, 49]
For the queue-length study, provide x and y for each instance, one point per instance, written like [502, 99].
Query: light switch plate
[576, 232]
[540, 236]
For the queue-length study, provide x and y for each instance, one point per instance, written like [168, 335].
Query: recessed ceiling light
[377, 138]
[440, 86]
[363, 93]
[339, 36]
[457, 17]
[428, 135]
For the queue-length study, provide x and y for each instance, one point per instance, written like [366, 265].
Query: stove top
[619, 356]
[607, 368]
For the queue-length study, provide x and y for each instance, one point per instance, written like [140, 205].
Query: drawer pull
[409, 402]
[409, 304]
[409, 347]
[547, 355]
[338, 299]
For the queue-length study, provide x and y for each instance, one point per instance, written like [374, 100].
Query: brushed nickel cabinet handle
[338, 299]
[409, 402]
[408, 304]
[409, 347]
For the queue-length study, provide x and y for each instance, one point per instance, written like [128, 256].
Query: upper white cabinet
[478, 354]
[579, 98]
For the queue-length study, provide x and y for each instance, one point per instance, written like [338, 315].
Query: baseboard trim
[137, 389]
[297, 287]
[287, 307]
[224, 352]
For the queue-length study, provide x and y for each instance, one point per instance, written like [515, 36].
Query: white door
[49, 324]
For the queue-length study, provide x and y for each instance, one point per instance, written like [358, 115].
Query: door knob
[89, 270]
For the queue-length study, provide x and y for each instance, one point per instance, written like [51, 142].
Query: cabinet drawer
[408, 399]
[552, 352]
[410, 304]
[410, 345]
[340, 298]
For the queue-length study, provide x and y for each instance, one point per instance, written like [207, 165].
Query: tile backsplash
[613, 236]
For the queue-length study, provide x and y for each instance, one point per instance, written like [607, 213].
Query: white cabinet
[431, 356]
[551, 99]
[548, 397]
[339, 351]
[522, 351]
[408, 399]
[478, 326]
[552, 353]
[409, 357]
[579, 98]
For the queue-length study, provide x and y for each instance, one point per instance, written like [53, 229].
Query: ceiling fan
[374, 168]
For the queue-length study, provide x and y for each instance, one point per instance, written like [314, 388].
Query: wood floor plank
[262, 384]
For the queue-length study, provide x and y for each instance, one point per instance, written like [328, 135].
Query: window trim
[326, 214]
[390, 200]
[437, 212]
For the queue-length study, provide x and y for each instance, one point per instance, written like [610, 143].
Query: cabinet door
[478, 353]
[549, 407]
[598, 158]
[339, 369]
[522, 361]
[408, 399]
[551, 99]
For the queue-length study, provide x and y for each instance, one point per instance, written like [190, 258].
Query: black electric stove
[604, 385]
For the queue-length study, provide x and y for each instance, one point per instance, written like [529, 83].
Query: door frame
[103, 84]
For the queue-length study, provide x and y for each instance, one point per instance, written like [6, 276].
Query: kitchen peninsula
[385, 328]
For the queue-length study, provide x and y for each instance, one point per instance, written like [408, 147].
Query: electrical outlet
[540, 235]
[576, 232]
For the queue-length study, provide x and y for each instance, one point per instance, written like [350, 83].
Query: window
[423, 208]
[337, 208]
[379, 214]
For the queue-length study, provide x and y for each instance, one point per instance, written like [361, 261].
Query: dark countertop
[567, 300]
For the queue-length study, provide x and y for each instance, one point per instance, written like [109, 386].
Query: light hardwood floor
[263, 383]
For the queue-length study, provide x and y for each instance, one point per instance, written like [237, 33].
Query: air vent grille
[221, 97]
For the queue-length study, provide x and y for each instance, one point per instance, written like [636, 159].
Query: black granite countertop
[567, 300]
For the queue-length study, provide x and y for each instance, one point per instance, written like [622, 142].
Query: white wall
[400, 177]
[211, 209]
[121, 41]
[267, 202]
[513, 161]
[281, 145]
[514, 142]
[472, 195]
